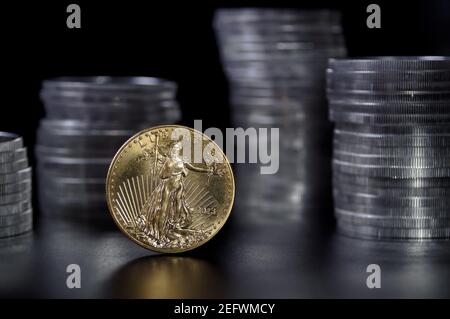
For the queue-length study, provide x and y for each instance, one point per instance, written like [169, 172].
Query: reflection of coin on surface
[166, 197]
[167, 277]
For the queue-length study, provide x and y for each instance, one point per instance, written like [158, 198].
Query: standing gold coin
[170, 188]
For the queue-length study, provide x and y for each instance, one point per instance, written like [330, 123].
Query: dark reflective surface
[245, 260]
[167, 277]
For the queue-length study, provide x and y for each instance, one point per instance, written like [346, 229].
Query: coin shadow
[162, 276]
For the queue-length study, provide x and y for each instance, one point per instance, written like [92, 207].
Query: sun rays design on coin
[165, 196]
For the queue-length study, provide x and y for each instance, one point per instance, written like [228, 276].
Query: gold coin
[170, 188]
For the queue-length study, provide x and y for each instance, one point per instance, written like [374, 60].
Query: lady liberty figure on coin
[166, 213]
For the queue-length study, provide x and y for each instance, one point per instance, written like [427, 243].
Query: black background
[174, 40]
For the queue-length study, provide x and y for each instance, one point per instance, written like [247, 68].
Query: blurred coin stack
[87, 120]
[275, 61]
[391, 168]
[16, 214]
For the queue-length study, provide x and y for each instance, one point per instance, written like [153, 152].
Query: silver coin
[284, 113]
[249, 36]
[275, 41]
[10, 142]
[400, 77]
[365, 199]
[286, 87]
[415, 130]
[277, 56]
[242, 70]
[15, 176]
[84, 213]
[276, 31]
[15, 208]
[87, 99]
[58, 160]
[392, 63]
[279, 104]
[76, 211]
[7, 168]
[75, 180]
[57, 127]
[390, 182]
[44, 151]
[21, 186]
[375, 104]
[389, 161]
[12, 220]
[264, 120]
[64, 198]
[303, 32]
[391, 222]
[74, 185]
[16, 229]
[281, 119]
[81, 142]
[13, 156]
[373, 151]
[79, 139]
[394, 192]
[13, 198]
[252, 15]
[145, 107]
[393, 97]
[74, 168]
[392, 140]
[394, 233]
[101, 93]
[416, 212]
[110, 115]
[396, 110]
[115, 84]
[345, 85]
[299, 93]
[378, 119]
[65, 195]
[93, 124]
[233, 54]
[386, 171]
[282, 48]
[274, 73]
[79, 125]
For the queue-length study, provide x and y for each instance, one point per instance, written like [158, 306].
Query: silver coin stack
[275, 61]
[87, 120]
[391, 172]
[16, 214]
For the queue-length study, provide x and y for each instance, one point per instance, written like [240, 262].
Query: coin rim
[109, 199]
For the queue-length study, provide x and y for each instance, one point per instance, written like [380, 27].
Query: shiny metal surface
[294, 260]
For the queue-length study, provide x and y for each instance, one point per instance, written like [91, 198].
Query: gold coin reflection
[168, 277]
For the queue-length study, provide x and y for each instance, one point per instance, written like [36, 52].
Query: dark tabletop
[251, 259]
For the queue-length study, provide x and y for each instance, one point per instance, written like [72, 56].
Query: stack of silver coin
[391, 168]
[87, 120]
[275, 61]
[16, 214]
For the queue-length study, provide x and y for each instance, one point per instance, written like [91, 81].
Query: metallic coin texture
[165, 201]
[87, 120]
[16, 213]
[391, 144]
[275, 61]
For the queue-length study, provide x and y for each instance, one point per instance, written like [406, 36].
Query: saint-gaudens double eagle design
[165, 200]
